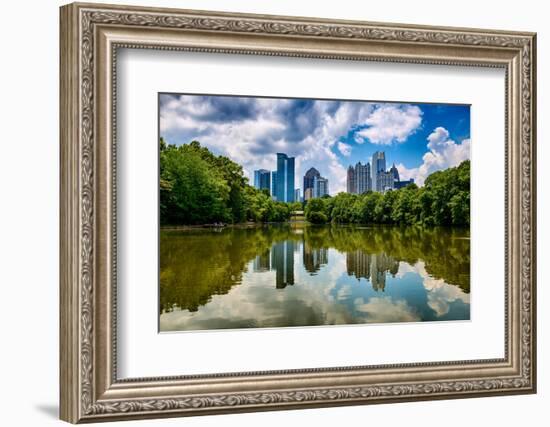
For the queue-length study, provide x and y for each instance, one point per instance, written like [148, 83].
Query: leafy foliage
[444, 200]
[198, 187]
[191, 191]
[318, 218]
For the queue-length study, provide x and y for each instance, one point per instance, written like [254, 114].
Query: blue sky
[326, 134]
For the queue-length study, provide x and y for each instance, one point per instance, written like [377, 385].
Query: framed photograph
[267, 212]
[240, 247]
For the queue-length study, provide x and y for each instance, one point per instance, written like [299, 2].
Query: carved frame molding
[90, 37]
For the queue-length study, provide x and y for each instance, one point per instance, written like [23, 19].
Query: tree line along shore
[198, 187]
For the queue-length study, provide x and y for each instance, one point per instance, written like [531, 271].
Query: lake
[296, 274]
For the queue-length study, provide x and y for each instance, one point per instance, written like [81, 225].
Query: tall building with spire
[374, 176]
[378, 166]
[394, 172]
[386, 181]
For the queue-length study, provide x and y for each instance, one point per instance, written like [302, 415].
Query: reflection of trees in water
[372, 267]
[196, 264]
[445, 250]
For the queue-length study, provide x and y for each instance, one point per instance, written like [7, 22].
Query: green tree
[191, 191]
[385, 206]
[318, 218]
[199, 187]
[460, 208]
[343, 208]
[313, 207]
[443, 186]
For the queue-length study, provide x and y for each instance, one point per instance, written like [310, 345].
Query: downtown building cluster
[281, 182]
[373, 176]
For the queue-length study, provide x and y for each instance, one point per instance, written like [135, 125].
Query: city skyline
[281, 182]
[280, 257]
[361, 178]
[329, 135]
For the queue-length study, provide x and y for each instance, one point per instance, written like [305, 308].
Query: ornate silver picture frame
[91, 35]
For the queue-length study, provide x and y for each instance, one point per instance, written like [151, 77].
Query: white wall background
[29, 170]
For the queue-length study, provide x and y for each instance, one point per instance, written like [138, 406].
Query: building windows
[262, 179]
[320, 186]
[284, 191]
[374, 176]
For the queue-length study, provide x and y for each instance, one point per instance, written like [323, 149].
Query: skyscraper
[320, 186]
[297, 197]
[274, 185]
[374, 176]
[285, 178]
[363, 181]
[308, 181]
[394, 172]
[378, 165]
[262, 179]
[350, 182]
[359, 179]
[386, 181]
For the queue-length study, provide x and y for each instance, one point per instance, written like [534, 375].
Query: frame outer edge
[77, 225]
[69, 354]
[533, 208]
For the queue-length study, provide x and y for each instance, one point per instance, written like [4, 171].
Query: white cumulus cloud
[390, 123]
[344, 148]
[386, 310]
[440, 294]
[251, 130]
[443, 153]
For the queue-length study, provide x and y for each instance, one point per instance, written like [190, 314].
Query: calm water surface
[303, 275]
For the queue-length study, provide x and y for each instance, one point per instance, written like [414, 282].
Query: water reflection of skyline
[282, 261]
[277, 276]
[314, 258]
[359, 264]
[372, 267]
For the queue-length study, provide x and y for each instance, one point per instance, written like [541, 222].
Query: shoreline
[243, 225]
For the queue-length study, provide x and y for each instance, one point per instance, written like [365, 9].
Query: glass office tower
[285, 178]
